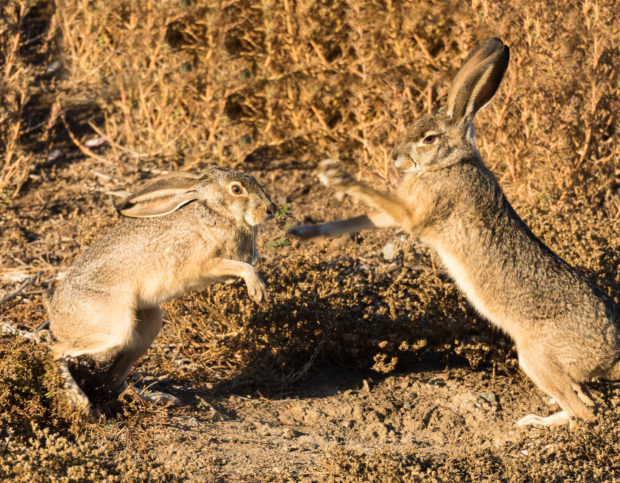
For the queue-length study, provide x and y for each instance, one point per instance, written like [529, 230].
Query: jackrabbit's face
[446, 137]
[239, 196]
[433, 142]
[228, 192]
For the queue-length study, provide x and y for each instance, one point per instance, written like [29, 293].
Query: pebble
[54, 155]
[488, 397]
[388, 251]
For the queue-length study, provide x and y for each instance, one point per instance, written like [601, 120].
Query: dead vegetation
[239, 82]
[97, 95]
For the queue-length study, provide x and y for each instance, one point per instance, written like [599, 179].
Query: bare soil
[358, 368]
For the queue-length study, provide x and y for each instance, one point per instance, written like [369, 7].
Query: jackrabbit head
[228, 192]
[446, 137]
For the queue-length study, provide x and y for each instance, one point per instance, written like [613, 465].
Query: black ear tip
[491, 46]
[496, 48]
[494, 43]
[122, 206]
[505, 56]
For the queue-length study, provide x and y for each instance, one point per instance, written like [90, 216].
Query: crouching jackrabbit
[565, 329]
[191, 231]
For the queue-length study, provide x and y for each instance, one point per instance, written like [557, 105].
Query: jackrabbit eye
[236, 189]
[430, 139]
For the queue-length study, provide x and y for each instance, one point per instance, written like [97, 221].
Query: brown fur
[191, 232]
[565, 329]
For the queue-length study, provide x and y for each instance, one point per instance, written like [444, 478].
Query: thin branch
[17, 291]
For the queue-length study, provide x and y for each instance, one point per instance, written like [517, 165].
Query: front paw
[256, 289]
[333, 175]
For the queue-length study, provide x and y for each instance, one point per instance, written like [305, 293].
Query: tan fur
[351, 225]
[565, 329]
[107, 305]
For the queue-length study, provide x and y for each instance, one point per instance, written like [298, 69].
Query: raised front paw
[256, 288]
[332, 174]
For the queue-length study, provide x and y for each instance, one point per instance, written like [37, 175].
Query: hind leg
[77, 398]
[583, 394]
[147, 326]
[552, 379]
[98, 331]
[62, 353]
[148, 323]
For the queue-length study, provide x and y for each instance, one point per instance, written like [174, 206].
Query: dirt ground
[358, 368]
[366, 364]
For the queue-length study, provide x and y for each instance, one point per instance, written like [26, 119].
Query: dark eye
[236, 189]
[430, 139]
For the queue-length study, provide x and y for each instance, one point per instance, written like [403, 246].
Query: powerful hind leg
[147, 325]
[97, 330]
[74, 394]
[583, 394]
[77, 398]
[550, 377]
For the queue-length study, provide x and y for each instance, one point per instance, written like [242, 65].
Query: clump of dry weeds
[47, 455]
[41, 438]
[243, 81]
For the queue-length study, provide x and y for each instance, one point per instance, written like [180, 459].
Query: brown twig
[295, 376]
[18, 290]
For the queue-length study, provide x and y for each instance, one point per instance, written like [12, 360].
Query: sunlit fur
[566, 330]
[107, 304]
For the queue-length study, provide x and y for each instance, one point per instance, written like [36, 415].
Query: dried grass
[240, 81]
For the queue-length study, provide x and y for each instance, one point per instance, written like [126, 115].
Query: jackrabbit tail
[565, 329]
[191, 231]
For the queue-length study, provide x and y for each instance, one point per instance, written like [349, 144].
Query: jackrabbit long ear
[161, 197]
[477, 80]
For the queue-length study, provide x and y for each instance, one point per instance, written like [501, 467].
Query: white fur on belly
[461, 275]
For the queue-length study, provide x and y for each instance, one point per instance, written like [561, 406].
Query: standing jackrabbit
[192, 231]
[565, 329]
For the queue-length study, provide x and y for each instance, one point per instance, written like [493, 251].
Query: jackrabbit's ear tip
[125, 210]
[492, 43]
[119, 207]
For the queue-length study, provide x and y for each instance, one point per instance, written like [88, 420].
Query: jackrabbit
[191, 231]
[565, 329]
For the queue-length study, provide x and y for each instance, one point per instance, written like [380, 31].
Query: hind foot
[74, 394]
[78, 400]
[154, 397]
[556, 419]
